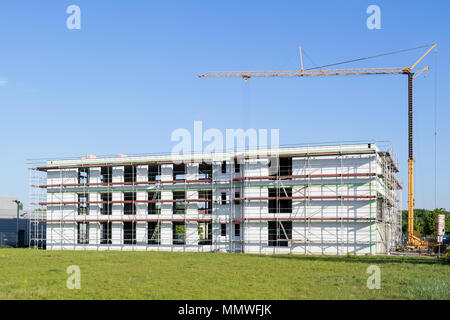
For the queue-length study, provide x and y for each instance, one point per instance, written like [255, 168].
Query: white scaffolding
[295, 202]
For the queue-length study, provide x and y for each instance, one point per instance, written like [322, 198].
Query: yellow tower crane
[414, 239]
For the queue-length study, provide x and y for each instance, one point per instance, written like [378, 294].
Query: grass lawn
[33, 274]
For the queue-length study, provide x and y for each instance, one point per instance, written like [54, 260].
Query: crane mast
[413, 240]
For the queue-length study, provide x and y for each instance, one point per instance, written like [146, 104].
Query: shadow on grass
[299, 257]
[359, 259]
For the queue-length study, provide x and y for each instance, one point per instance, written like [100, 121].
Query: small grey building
[8, 224]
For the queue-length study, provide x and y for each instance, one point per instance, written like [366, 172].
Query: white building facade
[301, 200]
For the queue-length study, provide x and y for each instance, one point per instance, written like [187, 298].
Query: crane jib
[413, 240]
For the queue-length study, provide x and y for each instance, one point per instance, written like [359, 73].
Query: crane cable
[370, 57]
[435, 127]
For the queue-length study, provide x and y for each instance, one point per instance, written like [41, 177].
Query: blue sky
[127, 79]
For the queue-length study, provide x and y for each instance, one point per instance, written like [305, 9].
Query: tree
[429, 219]
[424, 221]
[447, 218]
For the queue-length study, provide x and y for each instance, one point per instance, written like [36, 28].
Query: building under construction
[334, 199]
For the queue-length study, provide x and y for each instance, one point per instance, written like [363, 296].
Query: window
[129, 174]
[204, 171]
[205, 207]
[83, 206]
[154, 172]
[106, 174]
[155, 206]
[280, 232]
[223, 229]
[237, 194]
[223, 197]
[179, 171]
[205, 233]
[237, 230]
[224, 167]
[129, 206]
[83, 232]
[154, 233]
[105, 206]
[237, 166]
[179, 206]
[129, 232]
[106, 232]
[281, 166]
[380, 209]
[277, 204]
[178, 234]
[285, 166]
[83, 175]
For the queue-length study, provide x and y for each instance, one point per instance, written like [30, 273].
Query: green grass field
[33, 274]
